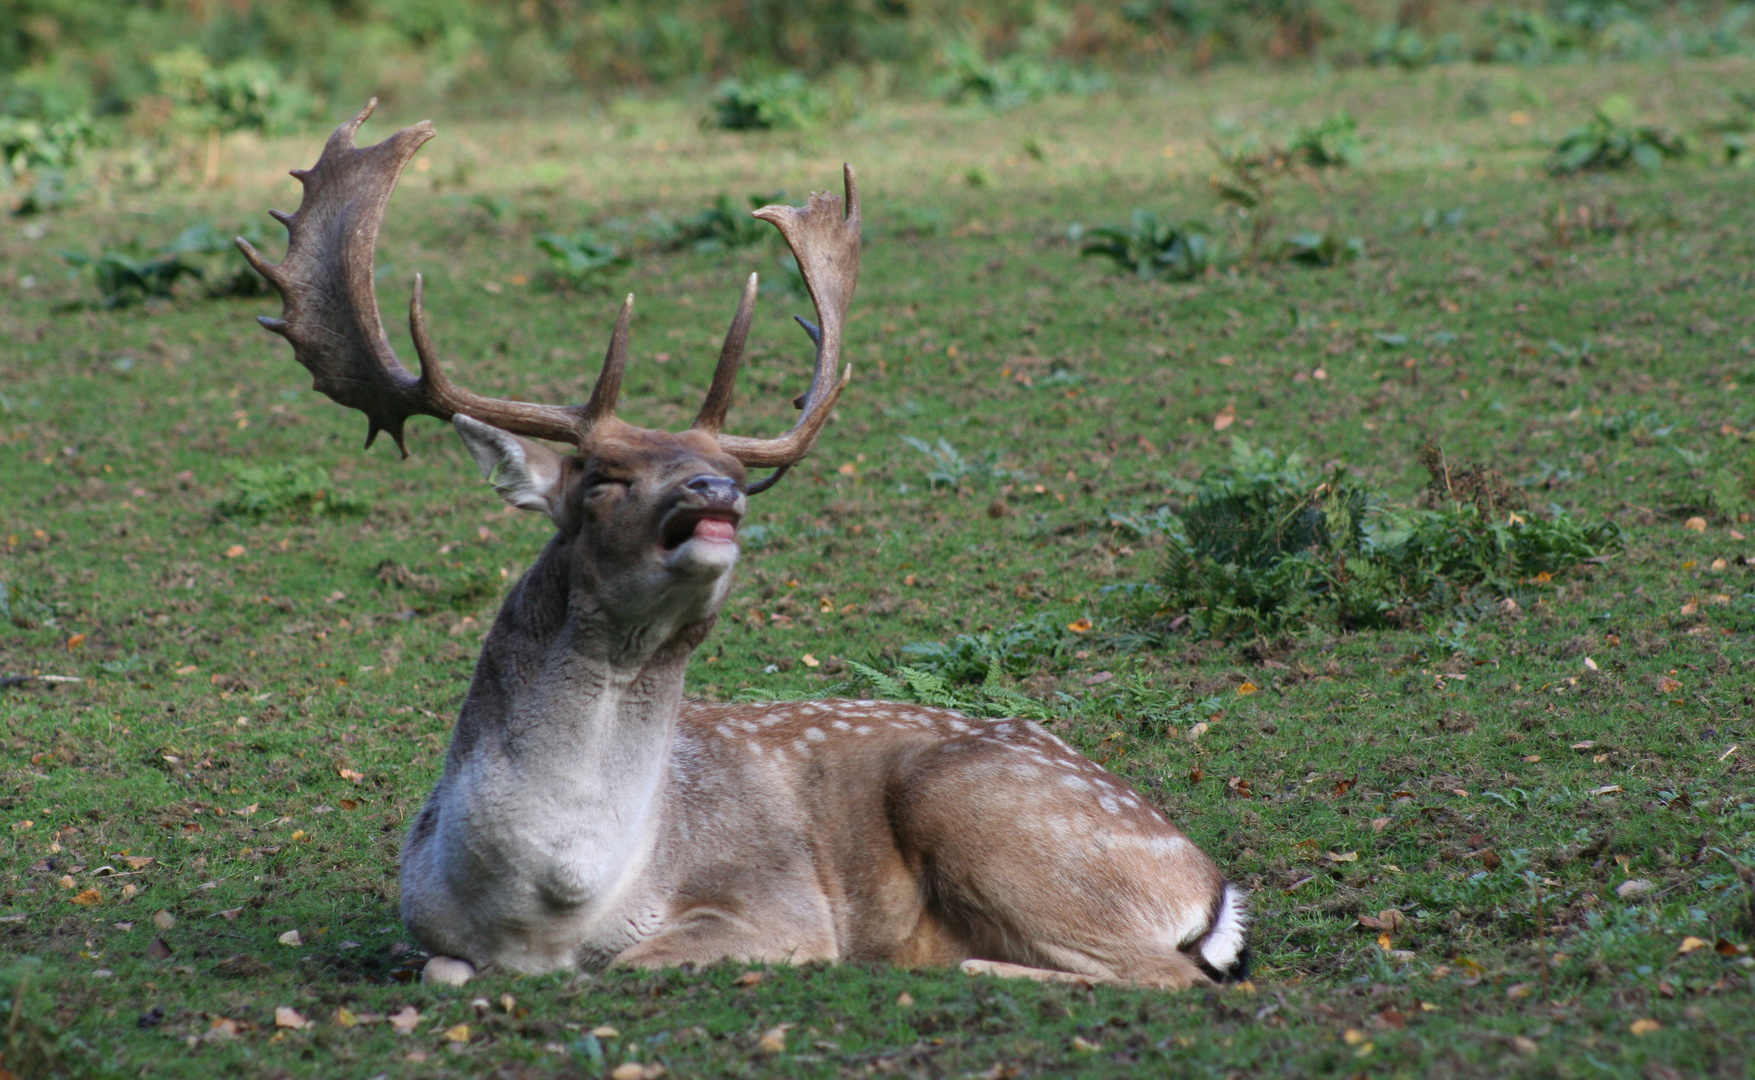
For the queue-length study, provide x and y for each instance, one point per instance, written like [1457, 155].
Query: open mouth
[685, 525]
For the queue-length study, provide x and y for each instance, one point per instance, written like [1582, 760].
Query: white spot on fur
[801, 746]
[724, 732]
[1108, 803]
[862, 730]
[841, 725]
[815, 734]
[1075, 782]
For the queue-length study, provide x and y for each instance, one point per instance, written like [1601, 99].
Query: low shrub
[200, 253]
[1611, 140]
[1332, 144]
[725, 225]
[1321, 248]
[248, 94]
[1150, 248]
[582, 260]
[784, 102]
[1008, 81]
[1270, 541]
[29, 143]
[261, 491]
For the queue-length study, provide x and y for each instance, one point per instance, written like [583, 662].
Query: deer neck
[562, 689]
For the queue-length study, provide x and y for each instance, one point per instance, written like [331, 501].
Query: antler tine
[330, 306]
[713, 409]
[609, 381]
[825, 240]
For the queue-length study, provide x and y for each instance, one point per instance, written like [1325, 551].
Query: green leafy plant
[1270, 542]
[1150, 248]
[1011, 650]
[29, 143]
[1010, 80]
[200, 253]
[725, 225]
[784, 102]
[1321, 248]
[951, 469]
[248, 94]
[1332, 144]
[1611, 140]
[261, 491]
[582, 260]
[988, 698]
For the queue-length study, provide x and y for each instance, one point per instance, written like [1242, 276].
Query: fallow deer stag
[589, 815]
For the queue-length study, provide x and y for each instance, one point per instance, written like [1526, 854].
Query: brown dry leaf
[221, 1029]
[1353, 1036]
[1531, 759]
[1668, 685]
[75, 642]
[138, 862]
[1344, 786]
[1729, 948]
[67, 882]
[1371, 922]
[1379, 824]
[810, 661]
[348, 804]
[1695, 524]
[1226, 417]
[905, 999]
[627, 1070]
[86, 897]
[351, 775]
[748, 978]
[291, 937]
[458, 1034]
[1645, 1026]
[1392, 919]
[344, 1018]
[1081, 1044]
[1634, 889]
[230, 914]
[286, 1017]
[164, 920]
[604, 1031]
[1519, 991]
[1587, 744]
[1690, 943]
[1490, 859]
[1079, 626]
[1689, 608]
[773, 1041]
[1525, 1045]
[1247, 689]
[129, 890]
[1340, 857]
[1606, 789]
[160, 949]
[234, 551]
[404, 1022]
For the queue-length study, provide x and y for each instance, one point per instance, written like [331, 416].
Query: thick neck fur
[559, 678]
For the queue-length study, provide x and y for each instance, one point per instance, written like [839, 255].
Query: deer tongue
[715, 529]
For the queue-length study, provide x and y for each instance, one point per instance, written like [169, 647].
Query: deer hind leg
[706, 935]
[1042, 860]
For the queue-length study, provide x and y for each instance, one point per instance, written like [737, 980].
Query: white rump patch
[1225, 940]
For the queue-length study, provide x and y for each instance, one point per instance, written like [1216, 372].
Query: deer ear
[528, 475]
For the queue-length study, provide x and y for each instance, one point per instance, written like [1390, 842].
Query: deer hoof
[447, 971]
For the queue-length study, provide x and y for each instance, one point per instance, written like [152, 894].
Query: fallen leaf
[748, 978]
[344, 1018]
[604, 1031]
[75, 642]
[1519, 991]
[1695, 524]
[285, 1017]
[1729, 948]
[1353, 1037]
[1081, 1044]
[1338, 857]
[1634, 889]
[1531, 759]
[1587, 744]
[1690, 943]
[1669, 685]
[905, 999]
[1689, 608]
[164, 920]
[351, 775]
[458, 1034]
[1590, 665]
[1225, 418]
[1392, 919]
[1606, 789]
[404, 1022]
[773, 1041]
[230, 914]
[627, 1070]
[1379, 824]
[138, 862]
[1079, 626]
[159, 949]
[86, 897]
[1371, 922]
[291, 937]
[1344, 786]
[348, 804]
[1645, 1026]
[810, 661]
[1246, 689]
[1525, 1045]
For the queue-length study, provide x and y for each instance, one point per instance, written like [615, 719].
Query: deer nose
[715, 489]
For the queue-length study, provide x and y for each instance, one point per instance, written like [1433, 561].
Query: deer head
[651, 516]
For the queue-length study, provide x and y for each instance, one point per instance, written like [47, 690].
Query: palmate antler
[330, 312]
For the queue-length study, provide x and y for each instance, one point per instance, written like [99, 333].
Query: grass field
[206, 828]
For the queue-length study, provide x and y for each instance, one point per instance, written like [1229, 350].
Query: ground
[1505, 842]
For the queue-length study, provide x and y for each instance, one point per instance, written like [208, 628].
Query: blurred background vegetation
[258, 64]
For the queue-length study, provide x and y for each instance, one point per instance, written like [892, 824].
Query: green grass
[267, 697]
